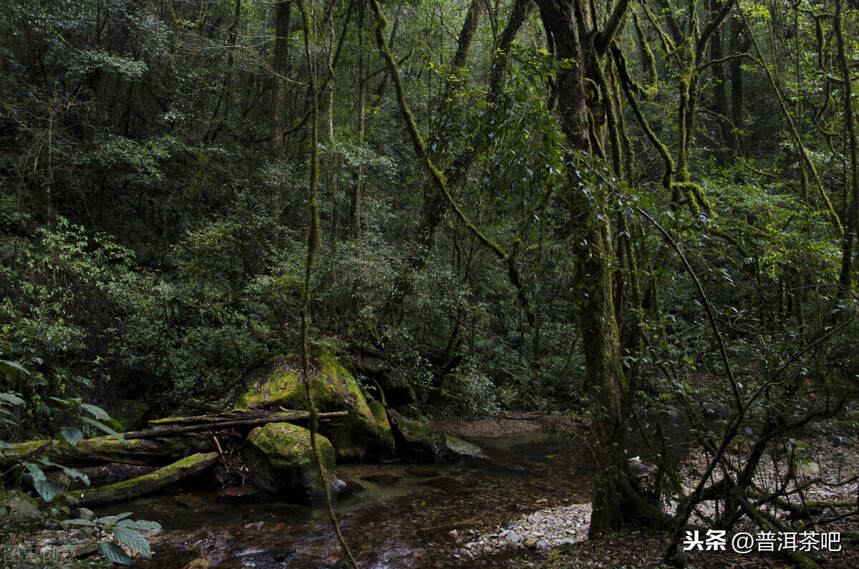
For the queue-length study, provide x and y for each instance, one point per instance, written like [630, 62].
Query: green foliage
[39, 472]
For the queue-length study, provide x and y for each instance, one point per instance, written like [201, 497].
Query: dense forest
[622, 216]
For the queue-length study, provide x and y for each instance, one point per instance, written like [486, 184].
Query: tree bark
[355, 202]
[739, 43]
[720, 99]
[851, 222]
[565, 23]
[283, 15]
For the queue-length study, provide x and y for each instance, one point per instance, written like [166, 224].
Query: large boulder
[415, 437]
[396, 387]
[18, 511]
[279, 384]
[281, 461]
[414, 434]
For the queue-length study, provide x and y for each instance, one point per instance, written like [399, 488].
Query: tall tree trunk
[332, 141]
[739, 44]
[283, 15]
[355, 202]
[720, 99]
[851, 222]
[565, 23]
[434, 203]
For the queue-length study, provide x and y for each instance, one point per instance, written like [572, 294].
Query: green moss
[281, 460]
[381, 417]
[414, 434]
[280, 383]
[333, 388]
[145, 484]
[360, 435]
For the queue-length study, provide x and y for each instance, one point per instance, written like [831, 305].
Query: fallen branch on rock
[251, 418]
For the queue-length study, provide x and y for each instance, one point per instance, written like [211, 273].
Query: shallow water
[401, 519]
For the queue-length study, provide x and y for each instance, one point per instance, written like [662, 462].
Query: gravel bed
[542, 529]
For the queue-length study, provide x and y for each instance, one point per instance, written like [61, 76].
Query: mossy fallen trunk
[235, 419]
[100, 450]
[171, 439]
[134, 487]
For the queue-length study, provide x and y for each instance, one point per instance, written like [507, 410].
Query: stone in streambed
[463, 449]
[279, 384]
[381, 479]
[281, 461]
[415, 437]
[18, 510]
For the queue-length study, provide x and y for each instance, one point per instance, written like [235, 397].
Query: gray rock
[83, 514]
[18, 510]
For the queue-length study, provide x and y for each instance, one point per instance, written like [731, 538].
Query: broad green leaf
[35, 470]
[131, 538]
[46, 488]
[110, 520]
[96, 411]
[13, 368]
[114, 553]
[11, 398]
[103, 427]
[69, 471]
[72, 435]
[68, 402]
[141, 525]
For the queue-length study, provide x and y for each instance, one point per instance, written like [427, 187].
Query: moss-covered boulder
[281, 461]
[416, 437]
[279, 384]
[395, 385]
[413, 433]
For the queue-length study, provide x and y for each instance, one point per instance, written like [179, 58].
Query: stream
[407, 515]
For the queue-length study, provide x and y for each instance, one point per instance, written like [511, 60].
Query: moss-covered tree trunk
[283, 17]
[565, 22]
[851, 222]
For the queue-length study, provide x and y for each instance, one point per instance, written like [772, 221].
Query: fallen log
[252, 418]
[153, 447]
[134, 487]
[101, 450]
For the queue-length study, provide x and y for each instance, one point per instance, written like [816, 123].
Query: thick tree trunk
[564, 21]
[739, 44]
[720, 99]
[851, 221]
[283, 14]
